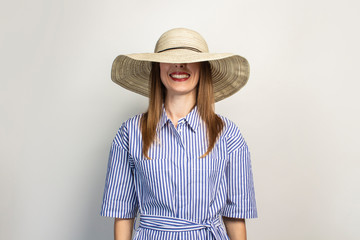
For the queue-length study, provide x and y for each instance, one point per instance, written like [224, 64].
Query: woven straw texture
[230, 72]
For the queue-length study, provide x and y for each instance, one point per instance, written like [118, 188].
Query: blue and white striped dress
[178, 194]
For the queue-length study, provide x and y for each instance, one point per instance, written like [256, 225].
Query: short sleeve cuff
[121, 210]
[236, 212]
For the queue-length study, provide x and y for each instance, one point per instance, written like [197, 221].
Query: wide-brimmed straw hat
[230, 72]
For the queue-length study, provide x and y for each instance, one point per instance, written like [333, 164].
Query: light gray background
[299, 111]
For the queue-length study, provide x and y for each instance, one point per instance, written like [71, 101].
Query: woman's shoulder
[231, 133]
[128, 127]
[132, 122]
[230, 128]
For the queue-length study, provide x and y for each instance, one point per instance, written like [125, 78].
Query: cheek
[163, 72]
[196, 79]
[164, 80]
[196, 70]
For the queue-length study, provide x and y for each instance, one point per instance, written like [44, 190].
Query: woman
[185, 169]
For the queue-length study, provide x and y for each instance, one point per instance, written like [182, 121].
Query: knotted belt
[172, 224]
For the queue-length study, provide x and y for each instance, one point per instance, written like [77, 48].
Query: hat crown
[181, 38]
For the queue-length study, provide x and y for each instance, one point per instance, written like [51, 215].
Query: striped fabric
[171, 224]
[178, 194]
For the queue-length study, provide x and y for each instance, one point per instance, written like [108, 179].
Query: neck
[178, 106]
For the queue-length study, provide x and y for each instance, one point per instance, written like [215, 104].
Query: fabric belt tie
[172, 224]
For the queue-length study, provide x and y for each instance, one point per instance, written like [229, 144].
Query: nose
[179, 65]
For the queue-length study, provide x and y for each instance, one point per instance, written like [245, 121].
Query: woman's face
[180, 78]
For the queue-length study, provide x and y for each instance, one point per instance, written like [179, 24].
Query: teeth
[180, 76]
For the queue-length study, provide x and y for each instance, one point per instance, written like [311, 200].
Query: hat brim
[230, 72]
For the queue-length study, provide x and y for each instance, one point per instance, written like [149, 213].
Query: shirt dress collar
[192, 118]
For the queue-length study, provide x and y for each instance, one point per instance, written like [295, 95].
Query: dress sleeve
[240, 201]
[119, 199]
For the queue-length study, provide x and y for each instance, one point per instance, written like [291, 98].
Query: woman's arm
[123, 228]
[235, 228]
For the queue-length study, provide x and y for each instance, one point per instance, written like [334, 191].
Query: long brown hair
[204, 101]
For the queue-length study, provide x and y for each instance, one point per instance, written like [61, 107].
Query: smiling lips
[179, 76]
